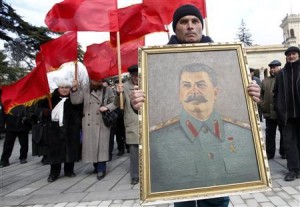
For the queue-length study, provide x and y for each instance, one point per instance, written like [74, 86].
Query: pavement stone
[26, 185]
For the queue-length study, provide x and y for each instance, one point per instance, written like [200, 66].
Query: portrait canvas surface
[200, 131]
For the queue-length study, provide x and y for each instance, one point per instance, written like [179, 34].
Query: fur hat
[133, 69]
[292, 49]
[63, 82]
[274, 63]
[185, 10]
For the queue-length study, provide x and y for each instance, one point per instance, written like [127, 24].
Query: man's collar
[195, 128]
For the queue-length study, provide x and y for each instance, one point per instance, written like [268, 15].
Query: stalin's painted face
[197, 94]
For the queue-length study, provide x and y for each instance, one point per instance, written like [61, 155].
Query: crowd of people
[71, 128]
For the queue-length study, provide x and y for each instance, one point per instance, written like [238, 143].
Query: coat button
[210, 156]
[88, 124]
[204, 129]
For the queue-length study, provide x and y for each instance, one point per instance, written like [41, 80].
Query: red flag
[134, 23]
[101, 59]
[58, 51]
[166, 8]
[25, 91]
[83, 15]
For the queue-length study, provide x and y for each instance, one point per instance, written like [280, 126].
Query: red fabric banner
[166, 8]
[135, 22]
[58, 51]
[101, 61]
[33, 86]
[83, 15]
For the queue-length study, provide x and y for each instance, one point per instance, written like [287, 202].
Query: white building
[260, 56]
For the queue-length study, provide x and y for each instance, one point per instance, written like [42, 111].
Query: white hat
[63, 83]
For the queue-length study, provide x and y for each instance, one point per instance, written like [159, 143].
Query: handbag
[38, 130]
[109, 117]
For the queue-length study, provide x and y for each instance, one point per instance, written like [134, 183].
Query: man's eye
[201, 85]
[186, 85]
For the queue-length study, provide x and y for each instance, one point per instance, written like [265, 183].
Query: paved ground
[26, 185]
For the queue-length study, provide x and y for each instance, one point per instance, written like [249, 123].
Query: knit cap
[185, 10]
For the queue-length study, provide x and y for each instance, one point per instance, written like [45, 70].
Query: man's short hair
[200, 67]
[133, 69]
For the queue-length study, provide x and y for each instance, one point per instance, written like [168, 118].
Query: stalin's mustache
[195, 98]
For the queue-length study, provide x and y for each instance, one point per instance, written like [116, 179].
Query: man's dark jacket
[18, 119]
[281, 91]
[173, 40]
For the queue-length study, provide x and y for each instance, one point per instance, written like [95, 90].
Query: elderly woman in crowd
[63, 123]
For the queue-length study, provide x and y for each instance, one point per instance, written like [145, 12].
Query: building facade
[259, 56]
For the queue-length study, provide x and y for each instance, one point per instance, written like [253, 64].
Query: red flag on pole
[32, 87]
[101, 59]
[134, 23]
[58, 51]
[166, 8]
[83, 15]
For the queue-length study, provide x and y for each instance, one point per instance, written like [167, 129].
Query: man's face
[197, 94]
[274, 70]
[292, 57]
[134, 78]
[189, 29]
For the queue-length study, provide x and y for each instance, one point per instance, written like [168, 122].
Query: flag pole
[168, 31]
[49, 101]
[76, 70]
[119, 67]
[206, 26]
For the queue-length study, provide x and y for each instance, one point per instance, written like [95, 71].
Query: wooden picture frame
[181, 157]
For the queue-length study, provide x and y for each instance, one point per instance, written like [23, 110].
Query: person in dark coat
[17, 123]
[267, 108]
[188, 27]
[287, 106]
[63, 130]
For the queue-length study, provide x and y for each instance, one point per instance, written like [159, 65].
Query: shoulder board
[236, 122]
[164, 124]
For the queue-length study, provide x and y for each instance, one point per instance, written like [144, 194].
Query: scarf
[57, 113]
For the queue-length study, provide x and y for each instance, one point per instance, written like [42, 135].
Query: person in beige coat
[95, 144]
[130, 122]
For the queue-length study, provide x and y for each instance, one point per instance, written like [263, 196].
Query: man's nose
[190, 25]
[195, 89]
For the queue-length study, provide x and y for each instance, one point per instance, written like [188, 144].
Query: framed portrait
[200, 134]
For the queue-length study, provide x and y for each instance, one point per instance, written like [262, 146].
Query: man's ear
[217, 91]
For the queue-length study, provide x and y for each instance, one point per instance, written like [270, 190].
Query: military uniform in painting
[188, 153]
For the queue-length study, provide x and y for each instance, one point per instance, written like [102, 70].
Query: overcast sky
[262, 18]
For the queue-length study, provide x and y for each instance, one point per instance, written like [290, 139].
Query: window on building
[292, 33]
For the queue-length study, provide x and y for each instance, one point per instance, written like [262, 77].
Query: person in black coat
[287, 106]
[17, 124]
[63, 130]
